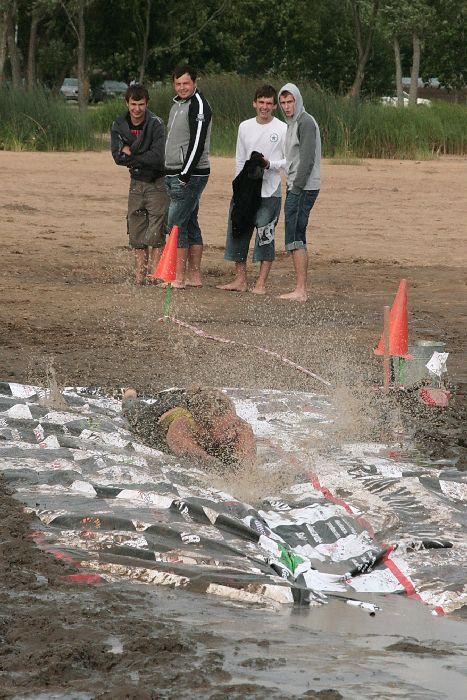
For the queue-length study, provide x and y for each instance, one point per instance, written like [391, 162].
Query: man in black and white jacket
[187, 171]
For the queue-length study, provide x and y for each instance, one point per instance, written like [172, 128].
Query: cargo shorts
[148, 204]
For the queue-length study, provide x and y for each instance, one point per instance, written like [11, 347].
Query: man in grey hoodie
[303, 156]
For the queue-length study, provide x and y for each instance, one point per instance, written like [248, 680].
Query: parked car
[69, 89]
[392, 101]
[108, 89]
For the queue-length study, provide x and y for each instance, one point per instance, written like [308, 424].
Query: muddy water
[401, 652]
[146, 643]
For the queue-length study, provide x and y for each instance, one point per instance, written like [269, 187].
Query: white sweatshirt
[268, 139]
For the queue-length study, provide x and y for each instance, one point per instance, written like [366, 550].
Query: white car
[392, 101]
[69, 89]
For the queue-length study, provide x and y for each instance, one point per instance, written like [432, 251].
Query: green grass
[350, 130]
[37, 121]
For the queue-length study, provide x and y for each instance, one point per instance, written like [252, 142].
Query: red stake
[386, 356]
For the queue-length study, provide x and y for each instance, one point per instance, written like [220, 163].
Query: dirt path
[66, 275]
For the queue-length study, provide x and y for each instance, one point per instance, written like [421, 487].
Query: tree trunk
[363, 47]
[414, 73]
[83, 82]
[13, 51]
[3, 26]
[144, 55]
[58, 82]
[354, 91]
[397, 59]
[35, 18]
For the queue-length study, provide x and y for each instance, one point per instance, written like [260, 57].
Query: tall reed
[38, 121]
[349, 129]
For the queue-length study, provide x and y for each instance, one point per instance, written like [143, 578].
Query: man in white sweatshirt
[264, 134]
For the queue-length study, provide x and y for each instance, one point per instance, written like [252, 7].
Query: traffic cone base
[167, 266]
[398, 326]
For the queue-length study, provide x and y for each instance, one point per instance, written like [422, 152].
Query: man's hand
[126, 150]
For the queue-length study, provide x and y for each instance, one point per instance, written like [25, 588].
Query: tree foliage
[341, 45]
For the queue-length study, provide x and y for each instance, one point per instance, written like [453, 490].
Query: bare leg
[300, 261]
[153, 259]
[182, 257]
[264, 269]
[240, 283]
[195, 253]
[141, 261]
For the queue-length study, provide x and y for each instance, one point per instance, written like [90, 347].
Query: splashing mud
[252, 484]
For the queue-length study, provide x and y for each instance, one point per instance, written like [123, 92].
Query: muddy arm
[245, 447]
[181, 442]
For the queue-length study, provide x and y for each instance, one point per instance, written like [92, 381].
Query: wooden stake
[386, 356]
[168, 293]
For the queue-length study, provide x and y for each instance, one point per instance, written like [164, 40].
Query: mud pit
[67, 293]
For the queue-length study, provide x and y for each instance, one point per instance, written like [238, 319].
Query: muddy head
[208, 405]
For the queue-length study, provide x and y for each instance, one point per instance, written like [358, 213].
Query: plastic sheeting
[358, 520]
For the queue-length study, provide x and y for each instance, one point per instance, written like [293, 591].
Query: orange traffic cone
[398, 326]
[167, 265]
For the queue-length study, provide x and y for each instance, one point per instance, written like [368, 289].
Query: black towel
[247, 195]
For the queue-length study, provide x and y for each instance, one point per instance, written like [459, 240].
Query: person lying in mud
[196, 423]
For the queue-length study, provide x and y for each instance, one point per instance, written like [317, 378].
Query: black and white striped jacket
[188, 136]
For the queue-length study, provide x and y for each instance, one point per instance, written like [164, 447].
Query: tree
[74, 10]
[37, 11]
[365, 13]
[445, 48]
[419, 18]
[412, 18]
[144, 53]
[394, 24]
[14, 53]
[3, 42]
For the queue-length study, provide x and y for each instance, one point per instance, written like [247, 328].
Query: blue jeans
[184, 206]
[236, 249]
[297, 212]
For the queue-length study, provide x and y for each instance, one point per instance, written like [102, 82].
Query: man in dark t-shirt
[138, 143]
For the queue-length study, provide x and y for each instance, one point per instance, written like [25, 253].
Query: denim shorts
[297, 211]
[236, 249]
[184, 206]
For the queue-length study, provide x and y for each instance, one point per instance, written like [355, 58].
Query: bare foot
[258, 290]
[174, 284]
[153, 281]
[130, 393]
[294, 296]
[234, 286]
[189, 283]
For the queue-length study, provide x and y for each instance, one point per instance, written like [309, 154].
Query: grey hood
[299, 108]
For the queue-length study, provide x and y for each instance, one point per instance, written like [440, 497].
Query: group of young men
[169, 174]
